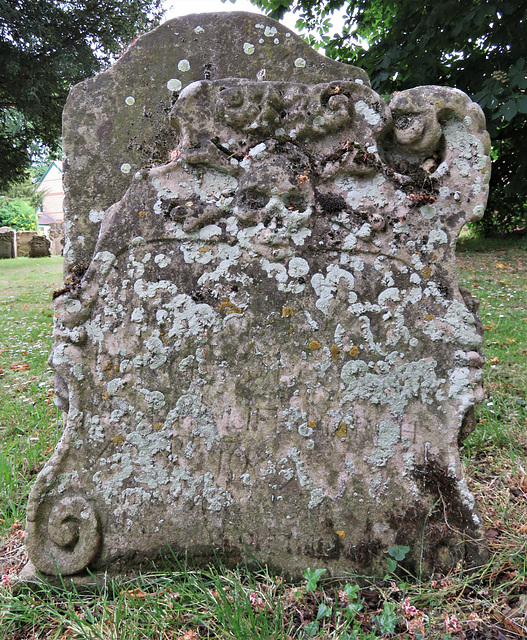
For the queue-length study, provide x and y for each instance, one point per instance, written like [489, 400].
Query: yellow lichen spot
[116, 367]
[142, 214]
[437, 104]
[189, 203]
[68, 279]
[312, 424]
[314, 345]
[85, 304]
[341, 534]
[119, 439]
[105, 395]
[434, 257]
[290, 330]
[354, 351]
[427, 272]
[204, 249]
[229, 439]
[229, 307]
[165, 339]
[158, 426]
[342, 430]
[429, 317]
[287, 312]
[335, 351]
[56, 314]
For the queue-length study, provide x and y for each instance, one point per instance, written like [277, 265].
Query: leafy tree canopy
[46, 46]
[479, 46]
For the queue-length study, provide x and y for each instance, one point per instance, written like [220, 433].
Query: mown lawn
[487, 603]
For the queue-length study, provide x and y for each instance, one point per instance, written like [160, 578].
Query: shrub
[18, 214]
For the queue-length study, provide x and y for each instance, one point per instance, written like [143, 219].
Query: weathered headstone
[23, 238]
[262, 351]
[56, 238]
[7, 243]
[39, 247]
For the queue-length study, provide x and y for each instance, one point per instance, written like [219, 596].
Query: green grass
[29, 421]
[488, 603]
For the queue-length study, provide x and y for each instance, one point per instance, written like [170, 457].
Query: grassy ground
[29, 424]
[489, 603]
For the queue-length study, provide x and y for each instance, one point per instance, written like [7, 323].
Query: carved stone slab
[56, 238]
[268, 356]
[7, 243]
[39, 247]
[116, 123]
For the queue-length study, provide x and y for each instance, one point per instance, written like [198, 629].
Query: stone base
[29, 579]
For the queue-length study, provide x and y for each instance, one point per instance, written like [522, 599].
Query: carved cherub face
[283, 144]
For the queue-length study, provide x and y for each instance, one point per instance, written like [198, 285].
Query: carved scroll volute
[63, 533]
[442, 127]
[64, 537]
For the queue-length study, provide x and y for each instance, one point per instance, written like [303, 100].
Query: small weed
[387, 619]
[312, 577]
[395, 555]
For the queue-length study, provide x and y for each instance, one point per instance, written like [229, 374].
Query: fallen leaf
[135, 593]
[494, 360]
[20, 367]
[501, 265]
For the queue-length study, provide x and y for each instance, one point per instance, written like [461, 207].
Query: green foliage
[312, 577]
[45, 47]
[18, 214]
[18, 205]
[24, 190]
[387, 620]
[395, 555]
[478, 46]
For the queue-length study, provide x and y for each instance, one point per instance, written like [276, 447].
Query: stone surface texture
[39, 247]
[22, 242]
[56, 238]
[261, 348]
[7, 243]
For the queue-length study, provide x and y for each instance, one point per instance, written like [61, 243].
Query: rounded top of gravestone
[117, 122]
[237, 44]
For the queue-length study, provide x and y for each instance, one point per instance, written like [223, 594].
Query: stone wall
[23, 239]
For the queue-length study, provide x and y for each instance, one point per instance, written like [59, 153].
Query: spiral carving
[65, 537]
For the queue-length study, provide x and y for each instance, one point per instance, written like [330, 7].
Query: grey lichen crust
[268, 355]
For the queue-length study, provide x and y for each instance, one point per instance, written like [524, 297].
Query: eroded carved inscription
[268, 355]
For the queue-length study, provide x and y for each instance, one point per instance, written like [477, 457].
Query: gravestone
[7, 243]
[39, 247]
[56, 238]
[261, 349]
[23, 238]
